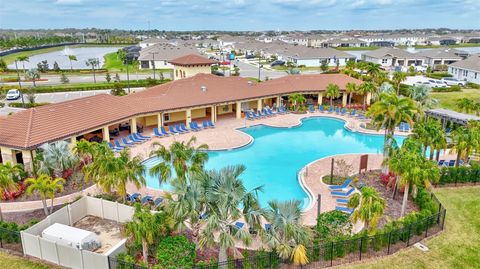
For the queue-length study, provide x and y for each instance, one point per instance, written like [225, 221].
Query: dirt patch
[392, 211]
[108, 231]
[26, 216]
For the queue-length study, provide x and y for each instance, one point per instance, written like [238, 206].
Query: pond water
[61, 58]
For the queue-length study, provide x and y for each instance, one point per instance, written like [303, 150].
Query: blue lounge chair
[248, 116]
[193, 127]
[451, 163]
[137, 136]
[196, 125]
[147, 199]
[134, 139]
[157, 133]
[134, 197]
[127, 143]
[406, 127]
[267, 226]
[184, 128]
[342, 201]
[342, 194]
[441, 162]
[259, 115]
[448, 130]
[114, 148]
[337, 110]
[117, 145]
[172, 130]
[239, 225]
[344, 111]
[353, 113]
[179, 129]
[205, 124]
[271, 112]
[210, 124]
[157, 201]
[320, 108]
[146, 137]
[344, 209]
[344, 185]
[330, 109]
[164, 132]
[311, 109]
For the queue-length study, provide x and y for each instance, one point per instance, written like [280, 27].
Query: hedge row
[27, 105]
[461, 174]
[438, 75]
[453, 88]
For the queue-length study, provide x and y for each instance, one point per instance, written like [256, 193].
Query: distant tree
[350, 89]
[64, 79]
[350, 65]
[43, 66]
[3, 65]
[71, 58]
[23, 59]
[56, 67]
[398, 78]
[117, 89]
[117, 77]
[93, 63]
[324, 66]
[332, 91]
[411, 70]
[33, 74]
[108, 77]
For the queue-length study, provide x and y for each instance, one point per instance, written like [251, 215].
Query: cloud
[68, 2]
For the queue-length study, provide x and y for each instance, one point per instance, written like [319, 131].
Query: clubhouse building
[195, 94]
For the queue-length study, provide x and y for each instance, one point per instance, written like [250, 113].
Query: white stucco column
[320, 98]
[27, 160]
[259, 105]
[159, 120]
[344, 98]
[106, 134]
[238, 110]
[7, 155]
[133, 125]
[369, 98]
[73, 142]
[279, 101]
[188, 116]
[214, 113]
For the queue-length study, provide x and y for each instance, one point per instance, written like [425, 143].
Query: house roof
[471, 63]
[165, 52]
[30, 128]
[192, 59]
[390, 53]
[442, 53]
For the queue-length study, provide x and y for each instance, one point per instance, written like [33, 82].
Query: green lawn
[8, 261]
[114, 64]
[448, 99]
[458, 246]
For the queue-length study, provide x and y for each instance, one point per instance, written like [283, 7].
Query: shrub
[473, 85]
[175, 252]
[438, 75]
[27, 105]
[10, 79]
[447, 89]
[332, 224]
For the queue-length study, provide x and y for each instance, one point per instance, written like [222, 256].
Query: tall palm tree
[369, 206]
[381, 78]
[86, 150]
[350, 65]
[55, 158]
[103, 171]
[364, 89]
[297, 100]
[373, 70]
[398, 78]
[72, 58]
[465, 104]
[33, 74]
[421, 94]
[466, 140]
[23, 59]
[388, 112]
[129, 170]
[181, 158]
[45, 187]
[350, 89]
[286, 235]
[146, 227]
[94, 63]
[9, 176]
[227, 202]
[332, 91]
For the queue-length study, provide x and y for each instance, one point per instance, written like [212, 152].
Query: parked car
[277, 63]
[218, 73]
[436, 83]
[249, 56]
[453, 81]
[13, 94]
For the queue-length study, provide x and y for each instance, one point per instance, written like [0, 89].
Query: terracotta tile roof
[192, 59]
[33, 127]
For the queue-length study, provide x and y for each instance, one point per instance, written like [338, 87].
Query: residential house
[441, 56]
[343, 42]
[152, 41]
[314, 57]
[467, 70]
[160, 55]
[392, 57]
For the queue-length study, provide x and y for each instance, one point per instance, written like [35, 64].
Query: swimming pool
[276, 155]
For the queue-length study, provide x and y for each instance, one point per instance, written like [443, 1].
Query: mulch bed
[27, 216]
[392, 211]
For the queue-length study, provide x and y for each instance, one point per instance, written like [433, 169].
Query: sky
[240, 14]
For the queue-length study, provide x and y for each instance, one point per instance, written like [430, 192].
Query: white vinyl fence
[36, 246]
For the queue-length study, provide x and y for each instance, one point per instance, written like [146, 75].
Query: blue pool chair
[179, 129]
[248, 116]
[197, 126]
[271, 112]
[330, 109]
[320, 108]
[205, 124]
[344, 111]
[126, 142]
[311, 108]
[239, 225]
[112, 147]
[134, 197]
[130, 136]
[344, 185]
[172, 130]
[117, 145]
[337, 110]
[146, 199]
[344, 209]
[146, 137]
[451, 163]
[342, 201]
[158, 201]
[164, 132]
[342, 194]
[210, 124]
[137, 136]
[193, 127]
[157, 133]
[184, 128]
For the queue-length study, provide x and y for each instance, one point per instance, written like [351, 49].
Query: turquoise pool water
[277, 155]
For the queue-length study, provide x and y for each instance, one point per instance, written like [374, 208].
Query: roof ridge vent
[203, 88]
[250, 82]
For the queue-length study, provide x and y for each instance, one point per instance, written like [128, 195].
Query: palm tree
[103, 171]
[369, 207]
[373, 70]
[23, 59]
[86, 150]
[350, 65]
[381, 78]
[93, 62]
[9, 176]
[286, 235]
[398, 78]
[429, 133]
[421, 94]
[466, 140]
[465, 104]
[55, 158]
[364, 89]
[350, 89]
[182, 158]
[227, 202]
[45, 187]
[146, 227]
[129, 170]
[388, 112]
[332, 91]
[33, 74]
[297, 100]
[72, 58]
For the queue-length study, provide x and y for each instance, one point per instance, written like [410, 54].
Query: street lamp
[259, 67]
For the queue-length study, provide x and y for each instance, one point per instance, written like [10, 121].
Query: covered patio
[446, 115]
